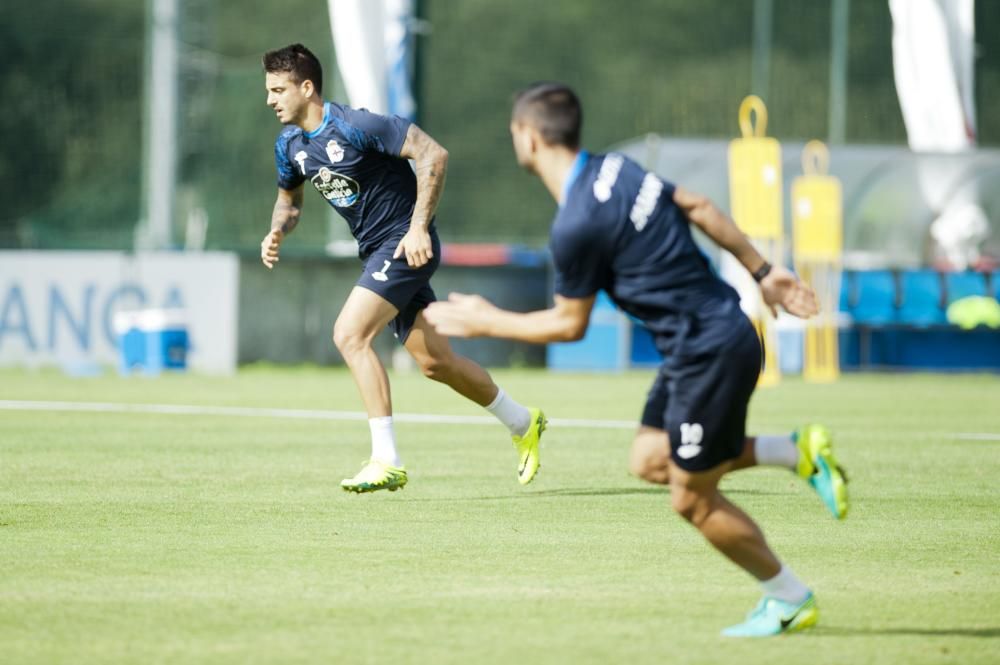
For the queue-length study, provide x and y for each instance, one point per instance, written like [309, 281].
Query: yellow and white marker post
[818, 245]
[755, 193]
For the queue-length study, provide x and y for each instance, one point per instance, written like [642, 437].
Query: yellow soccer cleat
[527, 447]
[819, 468]
[374, 476]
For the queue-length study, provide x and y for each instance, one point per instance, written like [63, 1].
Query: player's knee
[691, 505]
[435, 367]
[431, 367]
[649, 458]
[348, 340]
[651, 467]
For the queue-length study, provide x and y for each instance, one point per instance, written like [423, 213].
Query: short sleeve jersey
[353, 160]
[618, 229]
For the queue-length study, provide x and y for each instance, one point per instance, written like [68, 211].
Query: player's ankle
[516, 417]
[785, 586]
[776, 450]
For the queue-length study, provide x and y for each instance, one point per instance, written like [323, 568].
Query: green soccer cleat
[374, 476]
[773, 617]
[527, 447]
[819, 468]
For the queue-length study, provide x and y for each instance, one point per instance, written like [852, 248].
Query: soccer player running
[624, 230]
[358, 161]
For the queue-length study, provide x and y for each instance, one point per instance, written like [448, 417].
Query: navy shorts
[408, 289]
[702, 402]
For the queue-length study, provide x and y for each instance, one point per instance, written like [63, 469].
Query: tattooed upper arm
[419, 145]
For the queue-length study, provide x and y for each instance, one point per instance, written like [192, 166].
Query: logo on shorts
[380, 275]
[334, 152]
[691, 436]
[336, 188]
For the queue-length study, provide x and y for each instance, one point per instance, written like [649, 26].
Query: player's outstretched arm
[284, 218]
[717, 225]
[431, 162]
[474, 316]
[778, 285]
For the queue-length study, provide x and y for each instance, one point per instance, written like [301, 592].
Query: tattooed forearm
[430, 184]
[287, 210]
[431, 165]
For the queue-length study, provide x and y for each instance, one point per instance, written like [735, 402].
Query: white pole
[160, 169]
[359, 41]
[837, 110]
[760, 69]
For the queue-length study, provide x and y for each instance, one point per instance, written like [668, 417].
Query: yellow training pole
[818, 244]
[755, 192]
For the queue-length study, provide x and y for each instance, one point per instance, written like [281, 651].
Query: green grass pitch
[136, 538]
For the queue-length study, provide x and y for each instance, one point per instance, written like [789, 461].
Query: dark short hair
[553, 109]
[298, 61]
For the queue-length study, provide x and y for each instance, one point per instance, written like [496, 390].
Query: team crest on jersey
[336, 188]
[334, 152]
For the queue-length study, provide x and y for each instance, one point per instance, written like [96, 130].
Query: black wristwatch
[762, 272]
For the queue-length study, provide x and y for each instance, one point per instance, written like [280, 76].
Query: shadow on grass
[988, 633]
[590, 491]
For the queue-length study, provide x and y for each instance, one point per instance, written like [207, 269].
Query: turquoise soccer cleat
[820, 469]
[774, 617]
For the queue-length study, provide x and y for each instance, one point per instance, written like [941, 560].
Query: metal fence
[73, 75]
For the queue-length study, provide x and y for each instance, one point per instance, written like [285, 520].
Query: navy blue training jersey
[353, 160]
[618, 229]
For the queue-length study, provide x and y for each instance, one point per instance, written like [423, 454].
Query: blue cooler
[152, 340]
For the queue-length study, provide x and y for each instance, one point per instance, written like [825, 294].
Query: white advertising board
[58, 308]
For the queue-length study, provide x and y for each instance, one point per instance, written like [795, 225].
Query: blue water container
[152, 340]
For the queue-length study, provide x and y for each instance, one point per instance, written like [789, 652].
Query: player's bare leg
[365, 314]
[696, 498]
[808, 453]
[436, 359]
[433, 354]
[649, 458]
[787, 603]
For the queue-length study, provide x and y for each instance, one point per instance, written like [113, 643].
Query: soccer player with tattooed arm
[358, 162]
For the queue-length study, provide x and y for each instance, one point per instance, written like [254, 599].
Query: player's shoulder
[347, 119]
[608, 191]
[580, 210]
[335, 110]
[286, 135]
[355, 125]
[621, 179]
[610, 176]
[596, 189]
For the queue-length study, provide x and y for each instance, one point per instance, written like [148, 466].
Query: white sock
[384, 441]
[776, 451]
[785, 586]
[510, 413]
